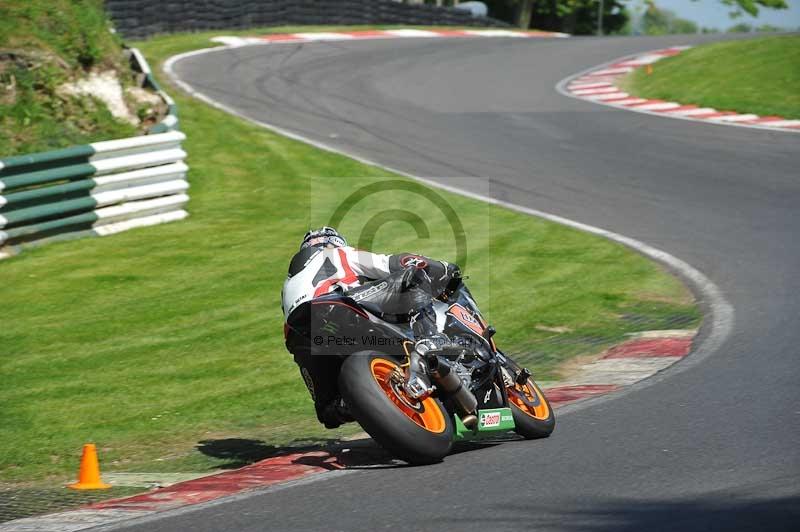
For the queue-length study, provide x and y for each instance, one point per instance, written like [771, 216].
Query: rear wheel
[533, 415]
[419, 432]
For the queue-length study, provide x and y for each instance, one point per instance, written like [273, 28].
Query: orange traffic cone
[89, 474]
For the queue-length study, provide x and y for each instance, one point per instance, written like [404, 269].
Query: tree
[571, 16]
[751, 6]
[742, 27]
[663, 22]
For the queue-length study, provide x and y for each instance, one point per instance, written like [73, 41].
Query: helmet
[322, 237]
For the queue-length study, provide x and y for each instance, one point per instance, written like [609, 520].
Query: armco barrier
[96, 189]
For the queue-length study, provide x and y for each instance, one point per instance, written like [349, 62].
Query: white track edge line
[561, 87]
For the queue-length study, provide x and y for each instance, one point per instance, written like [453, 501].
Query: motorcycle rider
[324, 264]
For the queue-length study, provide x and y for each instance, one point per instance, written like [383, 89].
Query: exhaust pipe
[450, 382]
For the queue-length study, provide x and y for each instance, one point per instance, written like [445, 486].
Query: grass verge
[760, 76]
[163, 343]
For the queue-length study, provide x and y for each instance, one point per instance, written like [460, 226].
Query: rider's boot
[335, 413]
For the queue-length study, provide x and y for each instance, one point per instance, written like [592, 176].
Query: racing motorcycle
[416, 402]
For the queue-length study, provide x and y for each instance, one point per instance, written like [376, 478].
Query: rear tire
[416, 432]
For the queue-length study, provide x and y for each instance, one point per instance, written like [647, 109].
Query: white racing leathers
[315, 272]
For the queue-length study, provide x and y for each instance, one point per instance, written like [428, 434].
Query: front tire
[533, 416]
[418, 432]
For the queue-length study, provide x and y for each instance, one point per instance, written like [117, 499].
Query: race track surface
[713, 447]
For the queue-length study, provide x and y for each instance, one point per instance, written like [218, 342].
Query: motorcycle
[415, 402]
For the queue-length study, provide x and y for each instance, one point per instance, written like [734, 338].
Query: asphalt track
[715, 447]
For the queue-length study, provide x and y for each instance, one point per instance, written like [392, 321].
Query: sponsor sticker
[490, 419]
[466, 318]
[371, 291]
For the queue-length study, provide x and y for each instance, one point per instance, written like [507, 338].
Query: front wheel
[533, 415]
[419, 432]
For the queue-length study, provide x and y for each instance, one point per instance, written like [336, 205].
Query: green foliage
[577, 17]
[760, 76]
[742, 27]
[154, 340]
[74, 30]
[44, 43]
[751, 6]
[664, 22]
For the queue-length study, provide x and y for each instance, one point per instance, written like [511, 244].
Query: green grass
[760, 76]
[154, 340]
[47, 43]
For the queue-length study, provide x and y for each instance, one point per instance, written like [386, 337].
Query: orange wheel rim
[425, 413]
[530, 399]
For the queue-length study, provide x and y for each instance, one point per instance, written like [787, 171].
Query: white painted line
[155, 174]
[590, 85]
[610, 96]
[139, 209]
[170, 120]
[232, 42]
[596, 90]
[322, 36]
[629, 101]
[141, 61]
[692, 112]
[660, 106]
[156, 219]
[777, 123]
[412, 33]
[735, 118]
[645, 59]
[611, 71]
[140, 160]
[167, 98]
[495, 33]
[141, 192]
[666, 333]
[112, 148]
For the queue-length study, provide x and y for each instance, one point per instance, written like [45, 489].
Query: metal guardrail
[96, 189]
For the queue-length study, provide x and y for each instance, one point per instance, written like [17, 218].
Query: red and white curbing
[288, 38]
[638, 358]
[599, 85]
